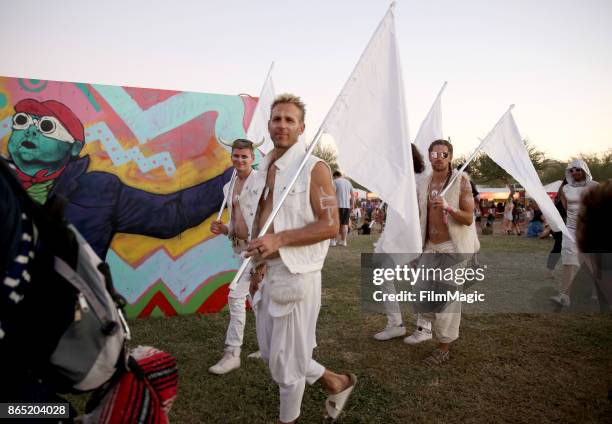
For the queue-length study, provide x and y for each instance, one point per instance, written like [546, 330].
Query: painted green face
[31, 150]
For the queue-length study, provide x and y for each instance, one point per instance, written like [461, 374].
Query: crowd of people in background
[368, 216]
[517, 216]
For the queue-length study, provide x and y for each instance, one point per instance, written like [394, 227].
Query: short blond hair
[292, 99]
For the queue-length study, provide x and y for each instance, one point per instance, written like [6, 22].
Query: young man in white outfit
[242, 196]
[294, 250]
[447, 227]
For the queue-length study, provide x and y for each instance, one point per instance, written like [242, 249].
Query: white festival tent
[553, 187]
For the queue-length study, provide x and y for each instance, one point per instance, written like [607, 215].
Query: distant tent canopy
[551, 189]
[493, 193]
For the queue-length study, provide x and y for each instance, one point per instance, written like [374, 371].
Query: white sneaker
[343, 243]
[332, 242]
[391, 332]
[421, 334]
[254, 355]
[229, 362]
[561, 299]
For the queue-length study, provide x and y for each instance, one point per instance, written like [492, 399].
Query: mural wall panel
[143, 174]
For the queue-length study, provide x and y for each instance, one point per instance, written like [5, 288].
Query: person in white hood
[579, 180]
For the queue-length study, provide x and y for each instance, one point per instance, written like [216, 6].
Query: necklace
[435, 188]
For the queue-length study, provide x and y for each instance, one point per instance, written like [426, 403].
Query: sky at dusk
[552, 58]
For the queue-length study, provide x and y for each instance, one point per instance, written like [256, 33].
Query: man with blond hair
[294, 250]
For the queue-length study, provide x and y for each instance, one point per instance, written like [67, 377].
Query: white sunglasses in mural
[50, 126]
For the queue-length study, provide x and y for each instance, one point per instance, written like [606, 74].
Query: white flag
[505, 146]
[258, 128]
[368, 124]
[431, 129]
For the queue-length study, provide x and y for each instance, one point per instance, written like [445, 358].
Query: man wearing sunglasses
[447, 227]
[579, 180]
[45, 145]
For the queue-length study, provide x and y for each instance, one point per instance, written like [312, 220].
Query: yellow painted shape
[133, 248]
[190, 172]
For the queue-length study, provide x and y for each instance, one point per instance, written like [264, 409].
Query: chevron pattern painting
[143, 174]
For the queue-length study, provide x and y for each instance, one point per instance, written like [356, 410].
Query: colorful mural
[143, 174]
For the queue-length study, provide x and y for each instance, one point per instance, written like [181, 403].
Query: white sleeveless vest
[463, 237]
[296, 211]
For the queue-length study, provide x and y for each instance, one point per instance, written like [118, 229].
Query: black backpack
[67, 331]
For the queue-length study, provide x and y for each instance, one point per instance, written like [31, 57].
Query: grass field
[545, 367]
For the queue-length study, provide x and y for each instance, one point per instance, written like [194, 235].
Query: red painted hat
[56, 109]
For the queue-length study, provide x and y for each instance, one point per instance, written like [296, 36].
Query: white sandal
[334, 404]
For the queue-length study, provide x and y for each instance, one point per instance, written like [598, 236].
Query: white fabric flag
[258, 127]
[505, 146]
[431, 129]
[368, 124]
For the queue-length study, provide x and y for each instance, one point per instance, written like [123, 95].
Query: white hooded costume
[573, 192]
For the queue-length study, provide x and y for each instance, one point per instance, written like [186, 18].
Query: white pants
[236, 301]
[445, 325]
[286, 336]
[394, 314]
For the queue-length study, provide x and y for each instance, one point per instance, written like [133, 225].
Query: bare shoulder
[465, 182]
[321, 174]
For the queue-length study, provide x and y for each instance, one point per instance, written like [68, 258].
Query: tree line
[484, 171]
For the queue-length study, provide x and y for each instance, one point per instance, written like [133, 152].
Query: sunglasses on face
[436, 155]
[575, 169]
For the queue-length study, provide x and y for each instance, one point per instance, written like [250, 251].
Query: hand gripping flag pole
[251, 126]
[274, 212]
[231, 188]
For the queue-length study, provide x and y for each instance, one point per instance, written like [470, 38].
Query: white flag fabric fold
[431, 128]
[258, 127]
[505, 146]
[368, 124]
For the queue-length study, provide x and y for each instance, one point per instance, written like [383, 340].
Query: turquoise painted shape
[182, 276]
[6, 126]
[175, 111]
[26, 87]
[89, 95]
[118, 155]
